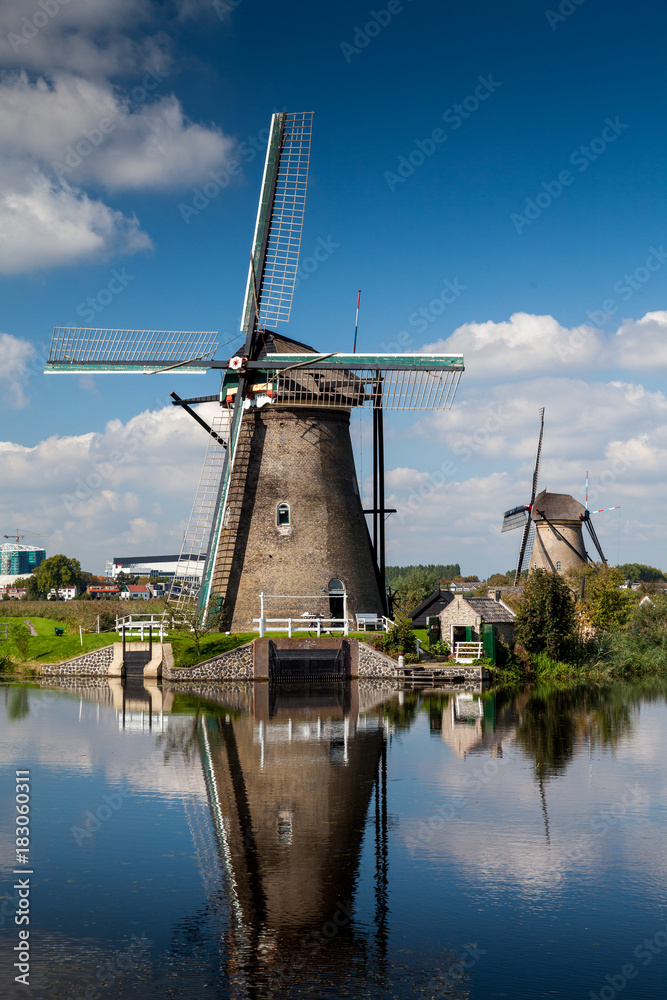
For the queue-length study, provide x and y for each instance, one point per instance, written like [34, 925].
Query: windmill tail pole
[356, 323]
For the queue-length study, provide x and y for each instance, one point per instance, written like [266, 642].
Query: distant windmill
[552, 536]
[278, 508]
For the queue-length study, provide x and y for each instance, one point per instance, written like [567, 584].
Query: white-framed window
[558, 566]
[282, 515]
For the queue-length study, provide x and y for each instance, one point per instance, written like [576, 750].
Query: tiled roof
[490, 610]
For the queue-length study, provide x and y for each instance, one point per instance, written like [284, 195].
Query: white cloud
[523, 345]
[82, 131]
[46, 225]
[527, 345]
[642, 343]
[65, 126]
[15, 358]
[130, 487]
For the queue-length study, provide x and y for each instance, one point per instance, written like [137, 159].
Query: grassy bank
[46, 646]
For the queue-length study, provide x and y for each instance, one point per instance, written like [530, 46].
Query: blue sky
[532, 145]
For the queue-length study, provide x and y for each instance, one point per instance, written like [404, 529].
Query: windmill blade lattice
[529, 530]
[189, 569]
[79, 350]
[275, 254]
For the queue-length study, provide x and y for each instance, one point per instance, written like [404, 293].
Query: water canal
[335, 842]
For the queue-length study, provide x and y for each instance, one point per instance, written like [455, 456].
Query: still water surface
[337, 842]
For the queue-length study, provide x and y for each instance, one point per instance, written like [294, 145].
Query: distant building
[433, 605]
[62, 594]
[99, 592]
[135, 592]
[148, 565]
[462, 620]
[20, 560]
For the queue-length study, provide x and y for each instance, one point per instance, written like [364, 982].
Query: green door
[469, 636]
[489, 640]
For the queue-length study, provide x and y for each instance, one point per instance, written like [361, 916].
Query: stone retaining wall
[95, 664]
[373, 663]
[236, 664]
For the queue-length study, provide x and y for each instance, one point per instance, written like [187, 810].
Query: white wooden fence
[137, 626]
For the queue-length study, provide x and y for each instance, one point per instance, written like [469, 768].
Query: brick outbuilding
[462, 619]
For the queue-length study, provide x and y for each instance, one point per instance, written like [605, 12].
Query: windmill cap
[557, 507]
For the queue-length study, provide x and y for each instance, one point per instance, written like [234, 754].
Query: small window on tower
[283, 514]
[558, 566]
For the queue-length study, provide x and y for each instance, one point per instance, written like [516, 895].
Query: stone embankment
[242, 664]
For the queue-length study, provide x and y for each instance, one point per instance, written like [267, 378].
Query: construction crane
[26, 535]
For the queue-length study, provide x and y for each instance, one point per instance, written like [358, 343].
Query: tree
[546, 621]
[640, 573]
[608, 607]
[58, 572]
[20, 637]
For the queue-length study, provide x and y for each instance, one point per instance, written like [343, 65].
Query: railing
[315, 624]
[139, 625]
[366, 620]
[468, 651]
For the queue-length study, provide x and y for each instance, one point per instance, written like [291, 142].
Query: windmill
[518, 516]
[277, 509]
[552, 536]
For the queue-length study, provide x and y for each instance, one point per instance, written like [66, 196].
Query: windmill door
[336, 599]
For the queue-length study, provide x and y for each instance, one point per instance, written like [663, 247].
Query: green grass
[47, 647]
[213, 644]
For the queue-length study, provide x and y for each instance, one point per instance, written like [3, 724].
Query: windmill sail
[270, 286]
[79, 350]
[277, 241]
[528, 536]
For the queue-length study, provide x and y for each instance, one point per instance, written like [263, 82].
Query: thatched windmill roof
[557, 507]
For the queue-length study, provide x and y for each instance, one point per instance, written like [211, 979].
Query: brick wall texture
[302, 457]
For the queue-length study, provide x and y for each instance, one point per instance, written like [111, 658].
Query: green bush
[439, 648]
[399, 639]
[546, 620]
[6, 663]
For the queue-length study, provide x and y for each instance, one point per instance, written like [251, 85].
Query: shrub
[439, 648]
[546, 621]
[399, 639]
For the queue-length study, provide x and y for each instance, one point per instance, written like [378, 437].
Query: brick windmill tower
[278, 509]
[552, 537]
